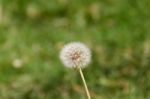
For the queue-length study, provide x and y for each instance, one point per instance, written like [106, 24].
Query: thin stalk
[84, 82]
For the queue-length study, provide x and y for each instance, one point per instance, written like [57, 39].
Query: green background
[32, 32]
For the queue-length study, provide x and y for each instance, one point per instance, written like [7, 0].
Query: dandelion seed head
[75, 54]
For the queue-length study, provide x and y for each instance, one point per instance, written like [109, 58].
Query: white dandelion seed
[75, 54]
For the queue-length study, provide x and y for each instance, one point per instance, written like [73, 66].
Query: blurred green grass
[32, 32]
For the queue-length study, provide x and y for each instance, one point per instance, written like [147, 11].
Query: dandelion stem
[84, 82]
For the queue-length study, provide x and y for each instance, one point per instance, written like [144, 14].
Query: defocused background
[32, 32]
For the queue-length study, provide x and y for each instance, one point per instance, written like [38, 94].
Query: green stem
[84, 82]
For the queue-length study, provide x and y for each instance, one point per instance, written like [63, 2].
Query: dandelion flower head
[75, 54]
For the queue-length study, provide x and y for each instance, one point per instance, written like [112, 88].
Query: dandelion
[76, 55]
